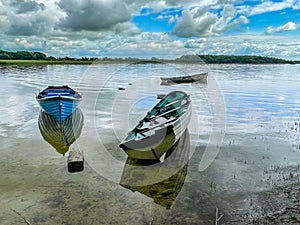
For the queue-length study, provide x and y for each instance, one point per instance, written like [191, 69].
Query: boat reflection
[161, 181]
[61, 135]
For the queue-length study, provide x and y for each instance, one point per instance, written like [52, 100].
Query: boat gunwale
[63, 97]
[69, 91]
[163, 125]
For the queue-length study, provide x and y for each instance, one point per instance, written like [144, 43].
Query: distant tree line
[22, 55]
[217, 59]
[66, 58]
[26, 55]
[243, 59]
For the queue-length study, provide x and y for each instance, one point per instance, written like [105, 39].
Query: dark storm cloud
[23, 6]
[93, 15]
[32, 26]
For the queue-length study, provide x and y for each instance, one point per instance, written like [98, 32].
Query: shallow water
[244, 131]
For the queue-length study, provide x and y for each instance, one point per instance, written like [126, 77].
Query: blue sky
[165, 29]
[152, 21]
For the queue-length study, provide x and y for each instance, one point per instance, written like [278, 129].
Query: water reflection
[160, 181]
[61, 135]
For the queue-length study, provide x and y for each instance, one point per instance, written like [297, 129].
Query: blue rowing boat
[59, 101]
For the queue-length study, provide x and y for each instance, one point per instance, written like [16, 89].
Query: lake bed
[247, 115]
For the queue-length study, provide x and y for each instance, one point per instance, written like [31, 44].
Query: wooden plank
[75, 161]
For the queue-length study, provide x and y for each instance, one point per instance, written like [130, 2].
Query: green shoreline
[43, 62]
[39, 58]
[89, 62]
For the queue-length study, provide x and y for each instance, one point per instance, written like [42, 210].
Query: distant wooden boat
[160, 128]
[160, 96]
[200, 78]
[61, 135]
[160, 181]
[59, 101]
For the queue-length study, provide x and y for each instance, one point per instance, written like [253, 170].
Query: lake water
[243, 140]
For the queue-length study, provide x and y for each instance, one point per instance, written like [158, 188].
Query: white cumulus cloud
[286, 27]
[199, 21]
[195, 22]
[228, 20]
[97, 27]
[268, 6]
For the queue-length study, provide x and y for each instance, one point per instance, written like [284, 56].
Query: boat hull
[59, 107]
[151, 147]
